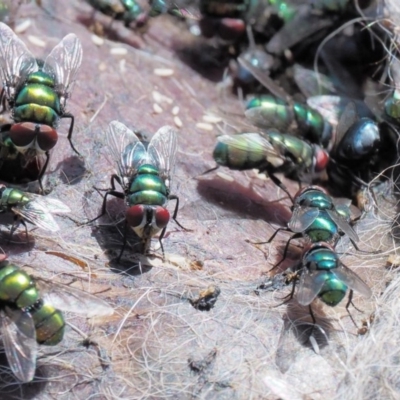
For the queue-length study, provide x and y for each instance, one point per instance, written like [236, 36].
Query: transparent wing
[52, 205]
[343, 225]
[126, 149]
[303, 25]
[311, 83]
[264, 79]
[19, 338]
[266, 120]
[347, 119]
[63, 63]
[241, 143]
[162, 150]
[302, 218]
[37, 214]
[309, 286]
[352, 280]
[328, 105]
[15, 59]
[70, 299]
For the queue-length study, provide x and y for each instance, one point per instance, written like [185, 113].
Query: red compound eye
[47, 137]
[321, 159]
[23, 134]
[231, 28]
[162, 217]
[135, 215]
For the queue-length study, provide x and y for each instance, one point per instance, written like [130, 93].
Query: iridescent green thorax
[148, 187]
[37, 101]
[323, 229]
[246, 154]
[315, 198]
[392, 105]
[17, 287]
[11, 197]
[321, 259]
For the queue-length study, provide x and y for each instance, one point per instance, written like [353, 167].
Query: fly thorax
[314, 198]
[12, 197]
[146, 221]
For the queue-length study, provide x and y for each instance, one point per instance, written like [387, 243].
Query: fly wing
[37, 214]
[329, 107]
[309, 286]
[242, 146]
[266, 120]
[162, 151]
[70, 299]
[15, 59]
[264, 79]
[303, 25]
[52, 205]
[126, 149]
[343, 225]
[302, 218]
[19, 338]
[63, 63]
[312, 83]
[352, 280]
[347, 119]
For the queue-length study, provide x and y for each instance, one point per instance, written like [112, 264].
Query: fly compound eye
[23, 134]
[136, 215]
[321, 160]
[47, 138]
[161, 217]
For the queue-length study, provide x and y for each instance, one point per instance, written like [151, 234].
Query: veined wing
[352, 280]
[312, 83]
[162, 151]
[347, 119]
[126, 149]
[264, 79]
[302, 218]
[70, 299]
[37, 214]
[303, 25]
[52, 205]
[242, 143]
[19, 338]
[16, 61]
[343, 225]
[309, 286]
[63, 63]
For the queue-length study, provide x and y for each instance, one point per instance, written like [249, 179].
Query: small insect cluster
[331, 139]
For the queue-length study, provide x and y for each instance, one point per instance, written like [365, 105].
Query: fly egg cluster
[311, 90]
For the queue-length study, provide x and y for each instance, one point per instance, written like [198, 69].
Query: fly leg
[350, 301]
[70, 130]
[277, 182]
[176, 198]
[160, 238]
[43, 170]
[295, 236]
[124, 242]
[17, 222]
[111, 192]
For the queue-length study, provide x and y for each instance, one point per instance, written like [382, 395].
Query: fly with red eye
[36, 93]
[144, 174]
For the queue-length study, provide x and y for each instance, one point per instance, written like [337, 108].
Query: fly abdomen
[323, 229]
[148, 187]
[333, 290]
[37, 100]
[49, 323]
